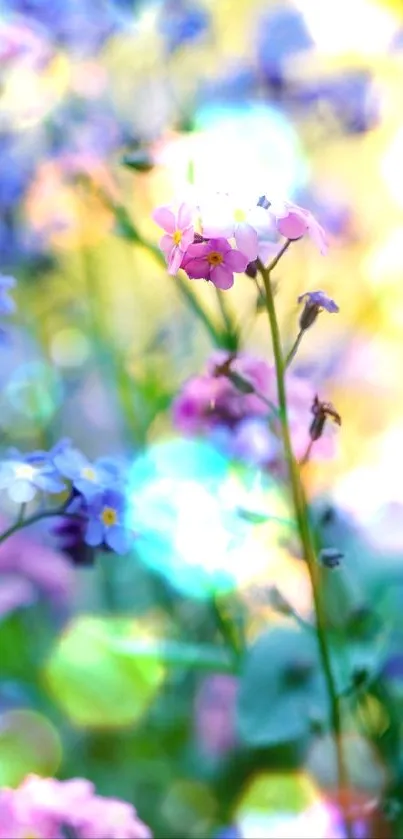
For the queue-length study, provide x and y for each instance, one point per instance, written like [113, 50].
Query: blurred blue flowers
[86, 477]
[182, 22]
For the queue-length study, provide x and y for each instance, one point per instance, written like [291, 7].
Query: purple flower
[24, 475]
[179, 233]
[320, 299]
[54, 809]
[106, 522]
[294, 222]
[7, 304]
[315, 302]
[215, 261]
[86, 477]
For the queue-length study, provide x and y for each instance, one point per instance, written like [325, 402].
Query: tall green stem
[301, 513]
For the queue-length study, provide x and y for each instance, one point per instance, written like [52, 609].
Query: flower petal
[318, 236]
[236, 260]
[247, 240]
[174, 261]
[94, 533]
[198, 250]
[117, 538]
[164, 217]
[187, 239]
[292, 226]
[222, 277]
[166, 244]
[22, 491]
[184, 217]
[197, 269]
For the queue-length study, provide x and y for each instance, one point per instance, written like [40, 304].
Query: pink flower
[179, 233]
[212, 400]
[214, 717]
[215, 261]
[294, 222]
[49, 808]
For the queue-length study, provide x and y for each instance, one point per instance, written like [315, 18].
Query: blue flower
[106, 522]
[87, 478]
[315, 302]
[182, 22]
[24, 475]
[7, 304]
[320, 299]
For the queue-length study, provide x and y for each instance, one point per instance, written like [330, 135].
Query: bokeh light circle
[189, 507]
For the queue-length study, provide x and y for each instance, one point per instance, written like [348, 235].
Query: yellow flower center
[25, 471]
[177, 237]
[109, 516]
[215, 258]
[239, 215]
[89, 473]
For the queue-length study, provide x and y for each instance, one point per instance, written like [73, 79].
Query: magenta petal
[236, 260]
[221, 245]
[222, 277]
[165, 218]
[174, 261]
[197, 269]
[184, 217]
[198, 251]
[247, 240]
[292, 226]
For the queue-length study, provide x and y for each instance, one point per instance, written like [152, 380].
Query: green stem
[301, 512]
[226, 628]
[276, 259]
[294, 349]
[45, 514]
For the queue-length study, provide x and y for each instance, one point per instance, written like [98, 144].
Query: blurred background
[104, 114]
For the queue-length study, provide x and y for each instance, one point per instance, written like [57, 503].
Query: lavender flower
[315, 302]
[24, 475]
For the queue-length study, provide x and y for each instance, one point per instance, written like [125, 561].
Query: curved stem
[301, 513]
[22, 524]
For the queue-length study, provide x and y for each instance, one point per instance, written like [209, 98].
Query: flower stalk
[306, 538]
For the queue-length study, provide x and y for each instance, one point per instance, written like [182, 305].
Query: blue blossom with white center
[315, 302]
[88, 478]
[22, 476]
[106, 522]
[7, 304]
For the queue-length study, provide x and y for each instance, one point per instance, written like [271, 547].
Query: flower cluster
[95, 492]
[210, 243]
[52, 809]
[235, 403]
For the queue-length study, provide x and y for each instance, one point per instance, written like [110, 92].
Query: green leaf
[282, 692]
[96, 685]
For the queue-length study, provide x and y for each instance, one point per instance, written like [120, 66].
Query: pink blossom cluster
[212, 245]
[243, 422]
[51, 809]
